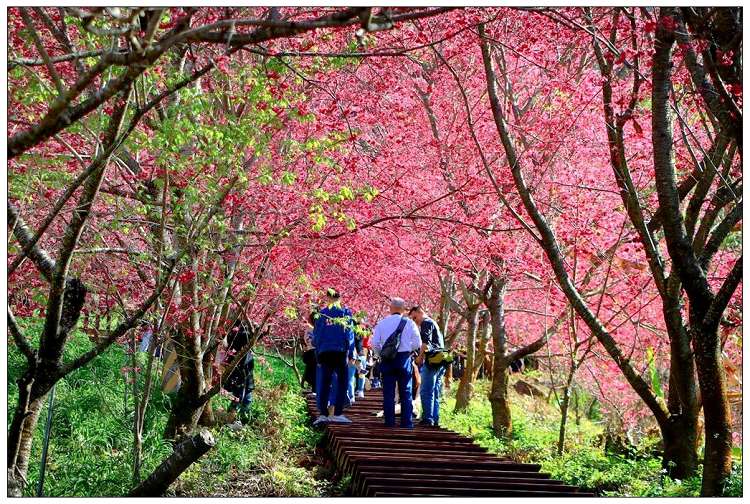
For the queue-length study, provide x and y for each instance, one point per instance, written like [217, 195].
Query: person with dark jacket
[333, 337]
[432, 383]
[241, 381]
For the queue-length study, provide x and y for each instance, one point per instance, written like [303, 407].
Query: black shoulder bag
[390, 347]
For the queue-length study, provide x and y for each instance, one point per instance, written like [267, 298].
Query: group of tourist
[404, 353]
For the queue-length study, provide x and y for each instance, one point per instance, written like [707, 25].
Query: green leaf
[319, 221]
[266, 176]
[654, 373]
[290, 312]
[346, 193]
[288, 178]
[370, 193]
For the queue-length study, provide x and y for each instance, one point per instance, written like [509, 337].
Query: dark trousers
[310, 368]
[397, 372]
[328, 364]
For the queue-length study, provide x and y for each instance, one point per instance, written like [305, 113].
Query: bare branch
[56, 59]
[724, 294]
[41, 259]
[719, 234]
[42, 51]
[19, 338]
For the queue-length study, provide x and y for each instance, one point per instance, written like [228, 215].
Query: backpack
[390, 347]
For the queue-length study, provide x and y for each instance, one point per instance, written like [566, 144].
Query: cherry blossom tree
[557, 179]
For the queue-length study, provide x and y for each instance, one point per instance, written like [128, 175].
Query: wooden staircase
[426, 461]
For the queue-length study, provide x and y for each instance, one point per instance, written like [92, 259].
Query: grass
[584, 462]
[266, 457]
[90, 452]
[91, 442]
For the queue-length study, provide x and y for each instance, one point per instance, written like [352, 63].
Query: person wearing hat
[333, 338]
[399, 369]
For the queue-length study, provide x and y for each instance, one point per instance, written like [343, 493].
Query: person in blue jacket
[333, 337]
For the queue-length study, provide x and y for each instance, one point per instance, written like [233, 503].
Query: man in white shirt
[398, 370]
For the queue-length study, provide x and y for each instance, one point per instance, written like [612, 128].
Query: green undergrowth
[266, 457]
[584, 462]
[90, 451]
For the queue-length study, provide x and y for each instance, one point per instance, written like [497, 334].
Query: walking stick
[45, 446]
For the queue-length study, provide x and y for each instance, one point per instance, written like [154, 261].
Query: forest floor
[90, 451]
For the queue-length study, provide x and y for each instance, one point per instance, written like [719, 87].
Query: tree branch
[724, 294]
[56, 59]
[21, 342]
[41, 259]
[56, 299]
[719, 234]
[42, 51]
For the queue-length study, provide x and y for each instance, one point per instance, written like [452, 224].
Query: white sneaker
[321, 420]
[339, 419]
[361, 394]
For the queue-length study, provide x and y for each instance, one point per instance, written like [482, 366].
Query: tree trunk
[680, 438]
[717, 462]
[170, 469]
[449, 377]
[446, 294]
[482, 347]
[488, 366]
[564, 405]
[186, 408]
[466, 386]
[18, 468]
[207, 415]
[295, 367]
[137, 449]
[185, 413]
[704, 312]
[502, 424]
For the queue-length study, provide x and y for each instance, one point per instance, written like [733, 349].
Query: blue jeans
[430, 392]
[351, 370]
[361, 375]
[325, 379]
[398, 371]
[360, 383]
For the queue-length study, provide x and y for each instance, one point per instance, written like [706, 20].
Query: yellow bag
[440, 358]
